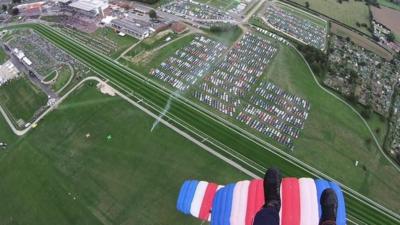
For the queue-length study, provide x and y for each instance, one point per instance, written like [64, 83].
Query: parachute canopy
[238, 203]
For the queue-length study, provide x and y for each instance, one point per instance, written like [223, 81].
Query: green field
[152, 43]
[103, 40]
[152, 59]
[389, 4]
[122, 42]
[64, 74]
[233, 139]
[134, 178]
[226, 37]
[3, 56]
[21, 98]
[348, 12]
[50, 76]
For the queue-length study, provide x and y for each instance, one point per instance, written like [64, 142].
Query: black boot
[272, 185]
[329, 205]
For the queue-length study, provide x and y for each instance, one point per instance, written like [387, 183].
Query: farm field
[77, 180]
[187, 114]
[348, 12]
[388, 17]
[21, 99]
[389, 4]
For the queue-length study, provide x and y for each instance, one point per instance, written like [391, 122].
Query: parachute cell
[290, 198]
[198, 198]
[308, 202]
[207, 201]
[255, 200]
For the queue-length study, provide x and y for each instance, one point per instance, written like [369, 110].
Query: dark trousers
[267, 216]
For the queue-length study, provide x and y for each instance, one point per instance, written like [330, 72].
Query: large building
[91, 8]
[136, 29]
[139, 25]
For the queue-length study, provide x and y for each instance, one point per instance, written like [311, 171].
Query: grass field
[3, 56]
[349, 12]
[152, 59]
[226, 37]
[64, 74]
[122, 42]
[21, 98]
[50, 76]
[131, 179]
[104, 40]
[152, 43]
[233, 139]
[389, 4]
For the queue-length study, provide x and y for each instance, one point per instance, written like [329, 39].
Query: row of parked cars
[190, 63]
[303, 29]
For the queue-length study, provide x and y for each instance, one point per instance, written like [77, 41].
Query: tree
[4, 7]
[390, 37]
[153, 14]
[307, 5]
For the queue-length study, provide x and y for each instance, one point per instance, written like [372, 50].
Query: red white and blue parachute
[238, 203]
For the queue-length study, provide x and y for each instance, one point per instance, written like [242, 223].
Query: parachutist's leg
[272, 185]
[329, 204]
[269, 214]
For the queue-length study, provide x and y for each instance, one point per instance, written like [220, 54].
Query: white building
[89, 7]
